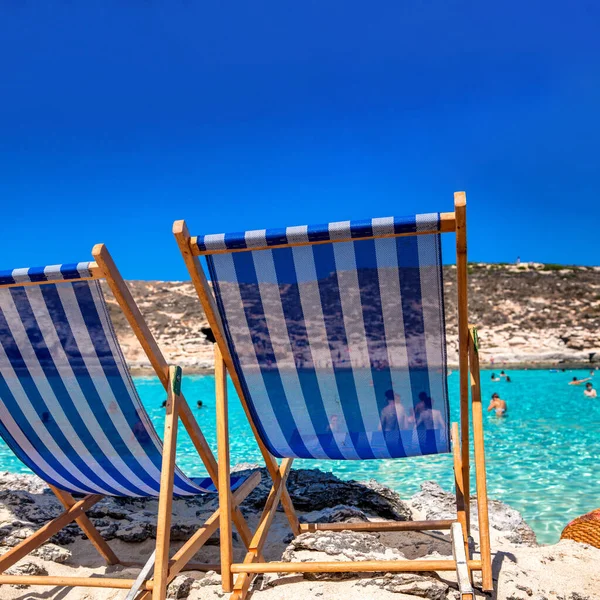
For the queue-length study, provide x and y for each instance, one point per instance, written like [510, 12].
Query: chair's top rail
[342, 231]
[49, 274]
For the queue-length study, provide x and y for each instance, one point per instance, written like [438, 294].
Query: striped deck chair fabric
[68, 407]
[340, 345]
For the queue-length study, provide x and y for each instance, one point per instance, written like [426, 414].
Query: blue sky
[116, 118]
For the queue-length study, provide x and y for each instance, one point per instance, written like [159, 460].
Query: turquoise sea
[543, 459]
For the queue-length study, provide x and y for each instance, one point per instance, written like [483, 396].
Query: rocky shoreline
[523, 570]
[530, 315]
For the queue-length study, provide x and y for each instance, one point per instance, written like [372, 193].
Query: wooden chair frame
[165, 568]
[460, 528]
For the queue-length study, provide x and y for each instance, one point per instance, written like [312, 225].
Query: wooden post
[167, 477]
[463, 574]
[460, 204]
[460, 496]
[224, 478]
[342, 566]
[480, 474]
[207, 300]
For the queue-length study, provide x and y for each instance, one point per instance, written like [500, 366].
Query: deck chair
[70, 412]
[334, 338]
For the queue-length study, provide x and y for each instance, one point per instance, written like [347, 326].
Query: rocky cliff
[530, 313]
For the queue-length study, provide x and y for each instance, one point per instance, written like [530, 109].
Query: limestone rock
[211, 578]
[180, 587]
[410, 584]
[342, 545]
[337, 546]
[134, 532]
[26, 568]
[52, 552]
[532, 321]
[12, 482]
[337, 514]
[436, 503]
[311, 489]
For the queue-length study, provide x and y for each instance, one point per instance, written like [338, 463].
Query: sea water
[542, 459]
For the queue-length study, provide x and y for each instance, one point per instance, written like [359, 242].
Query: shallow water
[542, 459]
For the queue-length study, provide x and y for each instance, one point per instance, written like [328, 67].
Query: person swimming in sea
[499, 405]
[589, 391]
[494, 378]
[393, 415]
[429, 417]
[576, 381]
[508, 379]
[503, 374]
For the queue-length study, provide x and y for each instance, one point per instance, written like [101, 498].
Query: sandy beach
[523, 570]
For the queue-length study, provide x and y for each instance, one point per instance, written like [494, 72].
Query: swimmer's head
[574, 378]
[588, 386]
[495, 395]
[390, 396]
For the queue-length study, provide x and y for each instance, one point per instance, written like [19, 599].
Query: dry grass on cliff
[530, 312]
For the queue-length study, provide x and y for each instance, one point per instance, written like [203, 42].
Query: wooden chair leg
[182, 557]
[87, 527]
[224, 486]
[44, 533]
[243, 580]
[462, 569]
[480, 474]
[461, 514]
[460, 203]
[167, 476]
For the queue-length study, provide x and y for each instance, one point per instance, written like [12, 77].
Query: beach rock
[12, 482]
[134, 532]
[211, 578]
[17, 535]
[337, 514]
[52, 552]
[180, 587]
[410, 584]
[436, 503]
[313, 490]
[26, 568]
[337, 546]
[528, 313]
[208, 587]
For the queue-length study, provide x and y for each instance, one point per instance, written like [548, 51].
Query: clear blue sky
[118, 117]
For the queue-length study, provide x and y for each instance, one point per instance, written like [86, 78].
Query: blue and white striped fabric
[340, 346]
[48, 273]
[68, 407]
[341, 230]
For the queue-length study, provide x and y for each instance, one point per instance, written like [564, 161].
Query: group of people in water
[500, 407]
[589, 391]
[496, 403]
[393, 415]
